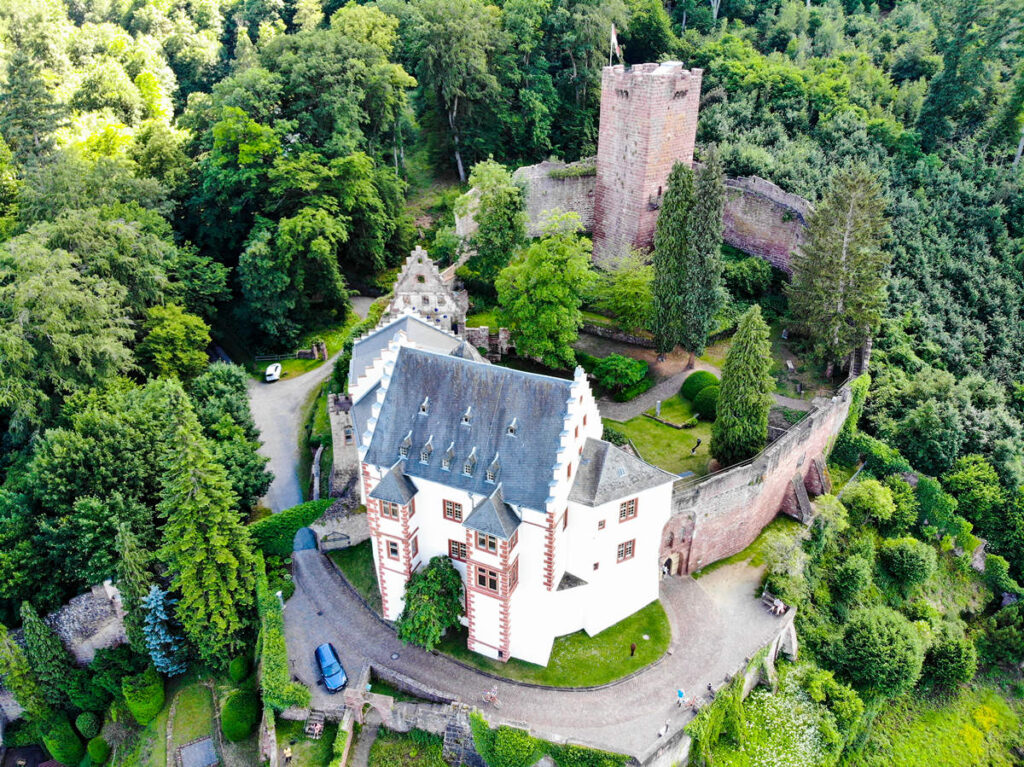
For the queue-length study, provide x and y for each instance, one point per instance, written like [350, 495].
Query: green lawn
[482, 319]
[305, 752]
[357, 565]
[976, 726]
[754, 553]
[149, 747]
[394, 749]
[578, 660]
[666, 447]
[381, 687]
[193, 714]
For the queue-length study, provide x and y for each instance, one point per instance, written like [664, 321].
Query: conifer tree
[687, 263]
[163, 640]
[740, 429]
[206, 548]
[47, 657]
[838, 285]
[133, 580]
[29, 113]
[17, 677]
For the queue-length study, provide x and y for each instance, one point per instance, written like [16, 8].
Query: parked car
[330, 667]
[274, 372]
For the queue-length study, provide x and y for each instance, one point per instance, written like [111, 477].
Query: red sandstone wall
[717, 516]
[648, 123]
[761, 219]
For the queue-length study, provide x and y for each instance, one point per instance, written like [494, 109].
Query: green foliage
[61, 740]
[951, 658]
[279, 692]
[881, 653]
[840, 699]
[852, 578]
[578, 170]
[907, 507]
[540, 293]
[275, 535]
[997, 574]
[838, 287]
[723, 716]
[175, 342]
[908, 560]
[500, 218]
[937, 507]
[433, 604]
[705, 404]
[615, 372]
[47, 657]
[613, 435]
[695, 382]
[747, 278]
[17, 677]
[240, 714]
[868, 499]
[740, 429]
[239, 668]
[88, 724]
[133, 582]
[512, 747]
[1002, 640]
[649, 35]
[338, 747]
[112, 664]
[99, 750]
[144, 695]
[625, 292]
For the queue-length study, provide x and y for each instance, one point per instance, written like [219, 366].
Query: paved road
[277, 411]
[716, 623]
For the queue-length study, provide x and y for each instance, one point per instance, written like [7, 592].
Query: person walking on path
[632, 649]
[680, 698]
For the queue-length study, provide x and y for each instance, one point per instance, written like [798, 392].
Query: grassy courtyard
[666, 447]
[411, 749]
[306, 752]
[193, 714]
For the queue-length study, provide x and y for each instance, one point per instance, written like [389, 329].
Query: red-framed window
[487, 579]
[600, 524]
[627, 510]
[453, 511]
[625, 550]
[513, 576]
[415, 546]
[486, 542]
[392, 549]
[389, 510]
[457, 550]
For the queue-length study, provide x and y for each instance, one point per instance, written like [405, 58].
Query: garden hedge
[144, 694]
[696, 382]
[88, 724]
[61, 740]
[275, 535]
[240, 714]
[99, 750]
[338, 747]
[239, 669]
[279, 691]
[706, 402]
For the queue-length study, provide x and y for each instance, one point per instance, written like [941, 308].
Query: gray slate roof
[493, 516]
[419, 331]
[361, 411]
[606, 473]
[394, 487]
[497, 395]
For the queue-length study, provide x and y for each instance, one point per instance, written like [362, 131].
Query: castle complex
[648, 124]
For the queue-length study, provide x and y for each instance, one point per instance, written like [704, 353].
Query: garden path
[361, 755]
[716, 623]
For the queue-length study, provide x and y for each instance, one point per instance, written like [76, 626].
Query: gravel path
[277, 411]
[716, 623]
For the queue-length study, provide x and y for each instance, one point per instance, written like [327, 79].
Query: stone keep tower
[648, 123]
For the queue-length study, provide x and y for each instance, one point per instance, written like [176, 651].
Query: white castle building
[552, 529]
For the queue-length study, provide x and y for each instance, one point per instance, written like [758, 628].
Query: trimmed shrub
[908, 560]
[239, 669]
[88, 724]
[144, 694]
[706, 402]
[240, 714]
[279, 691]
[613, 435]
[881, 652]
[697, 381]
[634, 391]
[61, 740]
[275, 535]
[852, 578]
[99, 750]
[338, 747]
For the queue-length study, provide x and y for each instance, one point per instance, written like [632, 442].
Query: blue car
[330, 667]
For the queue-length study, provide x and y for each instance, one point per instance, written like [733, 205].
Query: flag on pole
[614, 46]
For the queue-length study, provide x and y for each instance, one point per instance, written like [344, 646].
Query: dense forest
[176, 171]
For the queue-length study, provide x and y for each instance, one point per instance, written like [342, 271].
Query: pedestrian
[287, 755]
[632, 649]
[664, 729]
[680, 697]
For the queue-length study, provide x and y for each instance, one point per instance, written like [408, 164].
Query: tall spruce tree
[206, 548]
[687, 262]
[163, 641]
[133, 580]
[740, 429]
[29, 113]
[47, 657]
[17, 677]
[838, 286]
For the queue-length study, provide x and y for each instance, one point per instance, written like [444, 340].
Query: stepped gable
[606, 473]
[471, 413]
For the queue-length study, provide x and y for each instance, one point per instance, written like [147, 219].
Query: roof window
[426, 450]
[470, 464]
[446, 461]
[511, 431]
[467, 414]
[425, 406]
[403, 449]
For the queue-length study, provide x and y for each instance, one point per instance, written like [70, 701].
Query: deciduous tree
[624, 291]
[433, 604]
[175, 342]
[881, 652]
[500, 218]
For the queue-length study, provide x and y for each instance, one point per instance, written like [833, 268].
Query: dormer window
[403, 449]
[446, 461]
[490, 476]
[466, 415]
[467, 467]
[424, 407]
[492, 470]
[426, 451]
[512, 428]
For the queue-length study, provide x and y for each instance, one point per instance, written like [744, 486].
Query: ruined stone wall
[557, 186]
[648, 124]
[716, 516]
[496, 343]
[763, 220]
